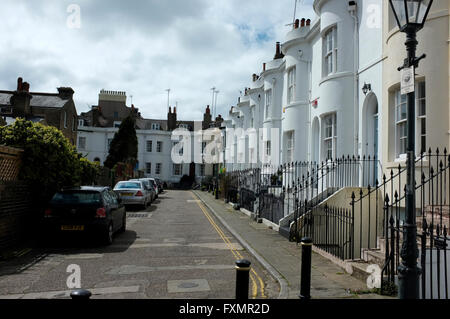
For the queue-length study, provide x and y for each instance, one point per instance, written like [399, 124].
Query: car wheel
[109, 233]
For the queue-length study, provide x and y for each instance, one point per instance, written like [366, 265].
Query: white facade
[313, 95]
[154, 151]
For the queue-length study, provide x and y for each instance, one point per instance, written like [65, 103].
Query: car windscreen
[129, 185]
[76, 197]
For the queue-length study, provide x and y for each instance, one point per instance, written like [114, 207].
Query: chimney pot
[303, 22]
[264, 67]
[308, 22]
[19, 84]
[296, 24]
[170, 110]
[26, 87]
[174, 110]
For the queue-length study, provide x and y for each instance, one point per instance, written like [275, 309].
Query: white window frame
[80, 123]
[147, 148]
[158, 169]
[177, 170]
[148, 168]
[268, 102]
[330, 51]
[291, 80]
[156, 126]
[159, 146]
[400, 116]
[329, 136]
[421, 117]
[421, 99]
[290, 146]
[82, 146]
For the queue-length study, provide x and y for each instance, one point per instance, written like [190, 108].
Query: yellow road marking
[235, 253]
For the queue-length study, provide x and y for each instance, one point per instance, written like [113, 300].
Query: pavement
[282, 258]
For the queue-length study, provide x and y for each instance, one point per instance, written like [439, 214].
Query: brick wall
[15, 214]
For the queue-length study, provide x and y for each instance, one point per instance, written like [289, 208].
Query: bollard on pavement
[305, 284]
[80, 294]
[242, 279]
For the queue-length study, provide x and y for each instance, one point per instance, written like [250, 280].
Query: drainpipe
[356, 79]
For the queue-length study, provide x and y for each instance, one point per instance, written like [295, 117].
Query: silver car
[133, 193]
[149, 184]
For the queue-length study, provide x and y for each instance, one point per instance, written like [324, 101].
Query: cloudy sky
[143, 47]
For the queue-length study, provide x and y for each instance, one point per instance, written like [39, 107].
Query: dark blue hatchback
[90, 210]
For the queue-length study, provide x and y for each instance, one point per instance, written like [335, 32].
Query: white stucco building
[97, 128]
[311, 92]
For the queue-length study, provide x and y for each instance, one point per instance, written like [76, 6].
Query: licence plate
[127, 194]
[72, 228]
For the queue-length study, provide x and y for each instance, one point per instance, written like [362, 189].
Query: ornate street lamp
[410, 16]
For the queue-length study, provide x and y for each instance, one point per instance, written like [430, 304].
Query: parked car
[149, 184]
[133, 193]
[155, 184]
[91, 210]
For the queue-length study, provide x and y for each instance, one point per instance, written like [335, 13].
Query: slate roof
[38, 100]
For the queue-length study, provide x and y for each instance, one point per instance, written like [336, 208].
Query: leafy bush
[49, 161]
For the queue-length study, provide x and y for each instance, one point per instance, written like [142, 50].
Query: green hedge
[49, 161]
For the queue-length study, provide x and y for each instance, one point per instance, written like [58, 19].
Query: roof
[87, 188]
[38, 100]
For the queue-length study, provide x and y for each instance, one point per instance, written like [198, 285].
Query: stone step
[360, 270]
[374, 256]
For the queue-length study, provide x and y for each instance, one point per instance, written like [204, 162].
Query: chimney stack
[206, 119]
[171, 119]
[65, 93]
[21, 98]
[278, 54]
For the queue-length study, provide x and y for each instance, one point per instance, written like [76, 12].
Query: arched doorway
[370, 139]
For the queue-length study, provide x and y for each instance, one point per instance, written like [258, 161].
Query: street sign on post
[407, 82]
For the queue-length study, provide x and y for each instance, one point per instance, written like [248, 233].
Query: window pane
[423, 126]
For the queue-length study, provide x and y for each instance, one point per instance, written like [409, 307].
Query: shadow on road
[65, 244]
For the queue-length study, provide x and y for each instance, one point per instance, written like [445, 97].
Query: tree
[49, 160]
[124, 146]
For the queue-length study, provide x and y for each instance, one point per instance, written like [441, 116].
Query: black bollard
[242, 279]
[305, 284]
[80, 294]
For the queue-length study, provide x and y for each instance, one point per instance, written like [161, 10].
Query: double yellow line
[254, 277]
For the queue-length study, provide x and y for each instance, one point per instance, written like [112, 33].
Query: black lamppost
[410, 16]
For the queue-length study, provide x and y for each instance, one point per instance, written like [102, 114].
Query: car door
[112, 208]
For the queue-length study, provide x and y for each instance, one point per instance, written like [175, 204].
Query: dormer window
[156, 126]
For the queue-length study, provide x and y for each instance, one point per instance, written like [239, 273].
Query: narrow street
[174, 249]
